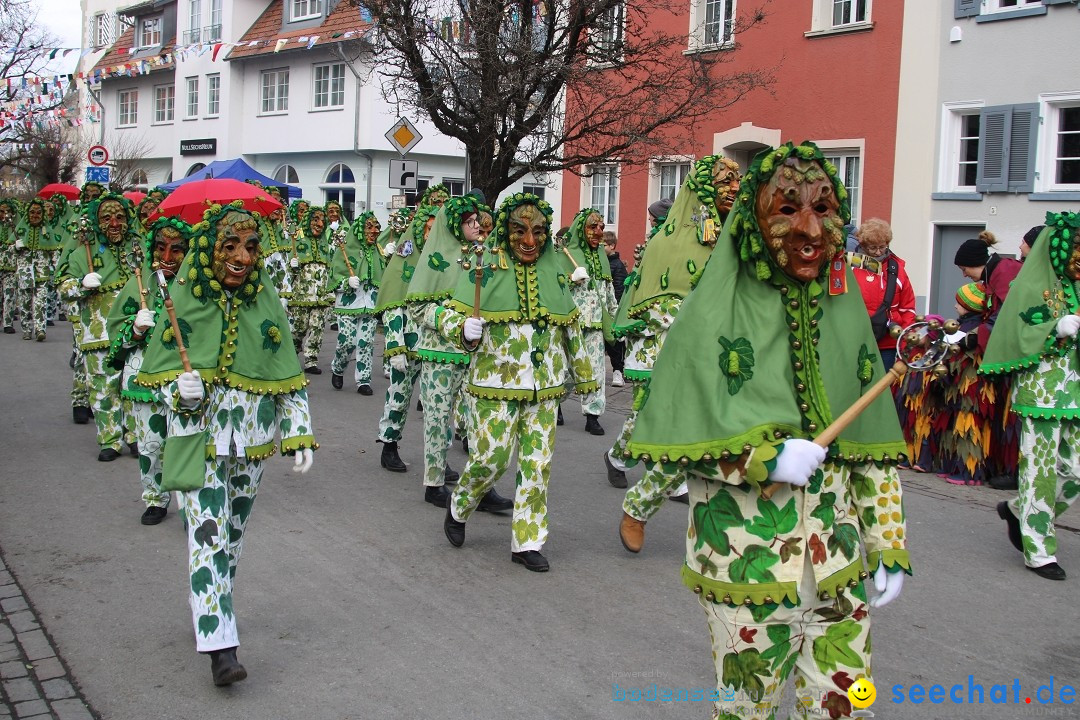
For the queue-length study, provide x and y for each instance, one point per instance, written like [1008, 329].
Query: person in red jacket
[996, 272]
[884, 283]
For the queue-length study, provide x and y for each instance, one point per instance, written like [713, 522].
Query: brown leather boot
[632, 533]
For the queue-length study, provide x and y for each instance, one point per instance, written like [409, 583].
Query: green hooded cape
[675, 254]
[399, 270]
[46, 236]
[594, 260]
[1024, 333]
[750, 360]
[240, 340]
[110, 261]
[513, 292]
[439, 267]
[365, 258]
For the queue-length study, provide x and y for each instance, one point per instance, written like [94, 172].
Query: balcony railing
[212, 33]
[192, 36]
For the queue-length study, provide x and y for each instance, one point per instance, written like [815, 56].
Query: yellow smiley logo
[862, 693]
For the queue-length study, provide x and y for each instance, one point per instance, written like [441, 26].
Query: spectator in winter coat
[882, 277]
[615, 348]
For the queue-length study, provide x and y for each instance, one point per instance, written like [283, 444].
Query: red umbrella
[190, 200]
[69, 191]
[135, 196]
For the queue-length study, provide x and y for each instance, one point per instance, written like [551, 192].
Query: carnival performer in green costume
[355, 274]
[311, 294]
[1035, 339]
[60, 217]
[245, 385]
[401, 334]
[526, 343]
[590, 284]
[766, 351]
[35, 243]
[444, 364]
[276, 250]
[129, 325]
[93, 278]
[672, 262]
[9, 279]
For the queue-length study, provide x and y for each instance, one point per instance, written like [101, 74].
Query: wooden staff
[142, 290]
[837, 426]
[345, 255]
[86, 244]
[478, 278]
[163, 284]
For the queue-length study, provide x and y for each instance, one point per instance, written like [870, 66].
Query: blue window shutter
[1023, 139]
[967, 8]
[994, 149]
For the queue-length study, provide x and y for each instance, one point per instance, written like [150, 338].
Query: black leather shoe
[153, 515]
[419, 406]
[90, 411]
[364, 389]
[532, 560]
[615, 476]
[390, 459]
[225, 668]
[50, 323]
[558, 418]
[436, 495]
[455, 531]
[107, 455]
[334, 326]
[313, 370]
[450, 475]
[71, 360]
[133, 448]
[592, 425]
[494, 502]
[11, 331]
[80, 414]
[465, 445]
[684, 498]
[1004, 482]
[1013, 523]
[1050, 571]
[337, 381]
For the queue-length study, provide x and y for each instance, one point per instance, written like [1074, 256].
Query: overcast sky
[63, 18]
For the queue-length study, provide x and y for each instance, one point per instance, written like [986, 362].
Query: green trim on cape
[400, 269]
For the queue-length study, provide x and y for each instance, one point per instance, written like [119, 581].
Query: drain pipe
[356, 123]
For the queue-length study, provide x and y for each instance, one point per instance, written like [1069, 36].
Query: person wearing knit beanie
[973, 255]
[1029, 241]
[971, 298]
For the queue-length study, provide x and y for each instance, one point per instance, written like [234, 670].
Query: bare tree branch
[496, 75]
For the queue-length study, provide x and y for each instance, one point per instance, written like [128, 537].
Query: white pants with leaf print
[496, 429]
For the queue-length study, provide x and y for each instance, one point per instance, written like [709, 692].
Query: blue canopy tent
[236, 169]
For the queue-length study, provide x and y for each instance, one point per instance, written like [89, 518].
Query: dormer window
[306, 9]
[150, 32]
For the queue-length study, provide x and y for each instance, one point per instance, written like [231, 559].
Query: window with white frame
[139, 180]
[213, 31]
[849, 12]
[127, 107]
[412, 197]
[1061, 144]
[164, 103]
[192, 104]
[340, 185]
[671, 177]
[194, 31]
[304, 9]
[213, 95]
[455, 186]
[604, 190]
[287, 174]
[275, 91]
[329, 86]
[712, 23]
[150, 32]
[967, 151]
[849, 166]
[537, 190]
[101, 30]
[607, 38]
[992, 6]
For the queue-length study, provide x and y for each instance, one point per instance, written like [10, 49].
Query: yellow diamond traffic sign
[403, 135]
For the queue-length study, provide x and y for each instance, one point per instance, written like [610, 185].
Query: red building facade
[836, 82]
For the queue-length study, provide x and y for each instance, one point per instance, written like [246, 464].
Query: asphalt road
[352, 604]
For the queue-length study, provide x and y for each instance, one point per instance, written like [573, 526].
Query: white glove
[354, 282]
[91, 281]
[888, 583]
[389, 249]
[190, 387]
[304, 458]
[955, 337]
[334, 225]
[399, 363]
[1067, 326]
[474, 328]
[579, 275]
[797, 461]
[19, 244]
[284, 303]
[294, 263]
[144, 320]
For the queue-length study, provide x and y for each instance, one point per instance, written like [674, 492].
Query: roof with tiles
[266, 31]
[120, 54]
